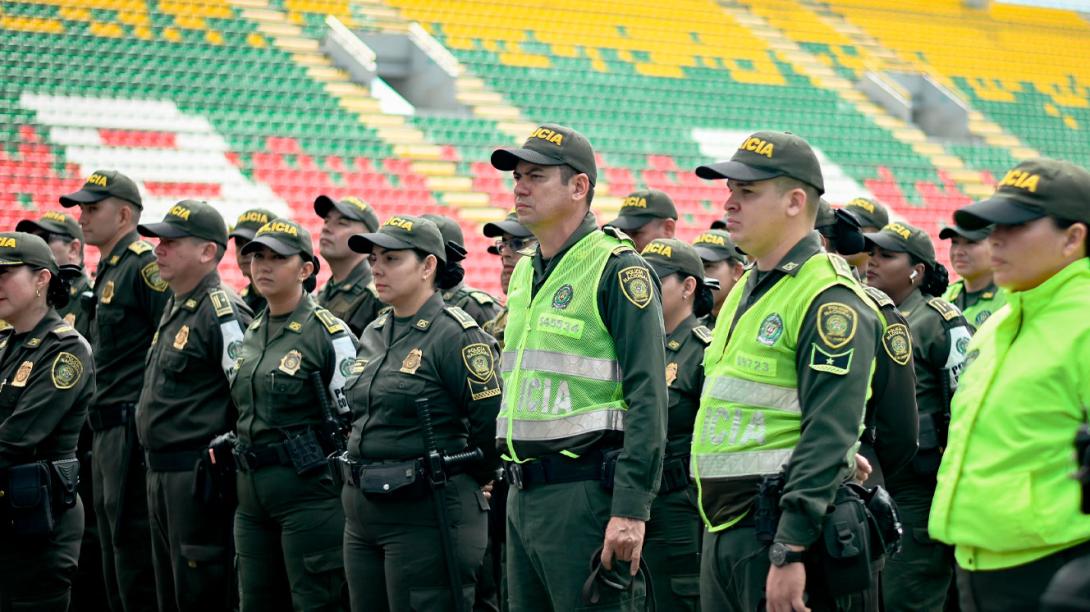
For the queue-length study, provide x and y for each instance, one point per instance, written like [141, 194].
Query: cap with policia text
[550, 145]
[54, 223]
[767, 155]
[249, 222]
[285, 237]
[716, 245]
[643, 206]
[903, 238]
[104, 184]
[510, 225]
[23, 249]
[869, 212]
[448, 228]
[403, 232]
[351, 207]
[950, 231]
[189, 218]
[670, 255]
[1031, 190]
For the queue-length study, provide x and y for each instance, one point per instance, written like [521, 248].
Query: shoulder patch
[481, 297]
[836, 324]
[331, 323]
[828, 362]
[150, 274]
[479, 361]
[461, 316]
[629, 244]
[636, 285]
[703, 334]
[897, 341]
[66, 371]
[944, 308]
[221, 303]
[379, 320]
[141, 246]
[842, 267]
[879, 297]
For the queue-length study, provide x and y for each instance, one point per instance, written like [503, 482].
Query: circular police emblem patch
[771, 330]
[346, 367]
[962, 345]
[981, 317]
[234, 348]
[898, 343]
[67, 370]
[563, 297]
[836, 324]
[479, 361]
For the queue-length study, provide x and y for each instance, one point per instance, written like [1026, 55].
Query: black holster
[214, 474]
[609, 468]
[305, 451]
[842, 555]
[766, 512]
[30, 508]
[927, 459]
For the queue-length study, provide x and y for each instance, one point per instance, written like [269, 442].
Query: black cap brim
[30, 226]
[996, 210]
[508, 159]
[162, 230]
[707, 254]
[718, 224]
[950, 231]
[245, 234]
[663, 270]
[278, 246]
[495, 229]
[628, 224]
[323, 204]
[736, 171]
[885, 242]
[82, 197]
[492, 250]
[364, 243]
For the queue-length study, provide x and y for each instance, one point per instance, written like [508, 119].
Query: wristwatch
[780, 555]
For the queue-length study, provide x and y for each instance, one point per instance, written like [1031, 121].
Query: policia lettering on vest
[788, 374]
[582, 423]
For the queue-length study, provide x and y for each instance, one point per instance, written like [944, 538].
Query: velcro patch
[636, 285]
[898, 343]
[140, 247]
[462, 317]
[221, 303]
[150, 274]
[331, 323]
[830, 363]
[837, 323]
[944, 308]
[703, 334]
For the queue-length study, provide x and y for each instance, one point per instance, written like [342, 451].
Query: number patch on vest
[636, 285]
[560, 325]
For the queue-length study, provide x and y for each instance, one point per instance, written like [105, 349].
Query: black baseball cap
[1033, 189]
[904, 238]
[351, 207]
[767, 155]
[104, 184]
[719, 224]
[403, 232]
[643, 206]
[448, 228]
[826, 216]
[54, 223]
[249, 222]
[870, 213]
[509, 225]
[950, 231]
[716, 245]
[550, 145]
[23, 249]
[285, 237]
[189, 218]
[670, 255]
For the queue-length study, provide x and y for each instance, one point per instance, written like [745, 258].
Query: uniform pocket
[173, 362]
[204, 575]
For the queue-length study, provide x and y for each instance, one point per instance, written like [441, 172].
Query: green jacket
[47, 382]
[976, 306]
[684, 378]
[186, 398]
[352, 300]
[78, 311]
[478, 304]
[1005, 495]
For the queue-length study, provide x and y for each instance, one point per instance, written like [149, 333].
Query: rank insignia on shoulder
[837, 323]
[636, 285]
[332, 324]
[481, 297]
[64, 330]
[841, 266]
[291, 362]
[150, 274]
[379, 321]
[944, 308]
[897, 341]
[66, 371]
[140, 247]
[462, 317]
[703, 334]
[479, 361]
[879, 296]
[221, 303]
[830, 363]
[628, 243]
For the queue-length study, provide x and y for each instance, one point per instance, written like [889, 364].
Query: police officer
[349, 293]
[872, 216]
[903, 266]
[672, 546]
[1005, 498]
[185, 403]
[976, 293]
[645, 215]
[479, 304]
[47, 380]
[243, 232]
[722, 262]
[129, 298]
[513, 242]
[421, 348]
[289, 522]
[65, 238]
[787, 377]
[583, 355]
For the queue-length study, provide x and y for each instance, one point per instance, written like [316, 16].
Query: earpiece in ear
[913, 275]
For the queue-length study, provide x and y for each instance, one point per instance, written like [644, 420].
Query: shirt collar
[677, 337]
[424, 317]
[803, 250]
[49, 322]
[912, 302]
[191, 300]
[588, 225]
[118, 250]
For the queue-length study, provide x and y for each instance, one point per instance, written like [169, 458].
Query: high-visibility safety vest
[1005, 496]
[750, 417]
[990, 302]
[561, 377]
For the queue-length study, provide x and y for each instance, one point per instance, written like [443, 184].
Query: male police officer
[584, 400]
[349, 293]
[64, 237]
[478, 304]
[185, 403]
[243, 232]
[787, 377]
[129, 297]
[513, 242]
[723, 262]
[646, 215]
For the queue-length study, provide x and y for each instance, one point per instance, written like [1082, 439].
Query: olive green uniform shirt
[254, 300]
[272, 390]
[47, 382]
[129, 299]
[441, 354]
[638, 338]
[965, 301]
[77, 312]
[478, 304]
[352, 300]
[186, 398]
[832, 405]
[685, 379]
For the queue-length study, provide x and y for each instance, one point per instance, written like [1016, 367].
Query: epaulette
[64, 331]
[946, 309]
[879, 297]
[461, 316]
[703, 334]
[380, 320]
[627, 243]
[842, 267]
[221, 303]
[332, 324]
[141, 246]
[482, 298]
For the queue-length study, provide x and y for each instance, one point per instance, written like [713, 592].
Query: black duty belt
[554, 469]
[253, 458]
[108, 416]
[350, 469]
[177, 461]
[675, 474]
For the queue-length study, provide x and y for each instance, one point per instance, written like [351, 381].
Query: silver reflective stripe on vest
[536, 430]
[747, 463]
[751, 393]
[561, 363]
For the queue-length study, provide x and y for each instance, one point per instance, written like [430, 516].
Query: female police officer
[289, 519]
[421, 350]
[903, 265]
[672, 547]
[47, 380]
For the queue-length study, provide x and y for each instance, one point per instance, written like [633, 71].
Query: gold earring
[38, 291]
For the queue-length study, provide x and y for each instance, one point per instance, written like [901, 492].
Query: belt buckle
[514, 475]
